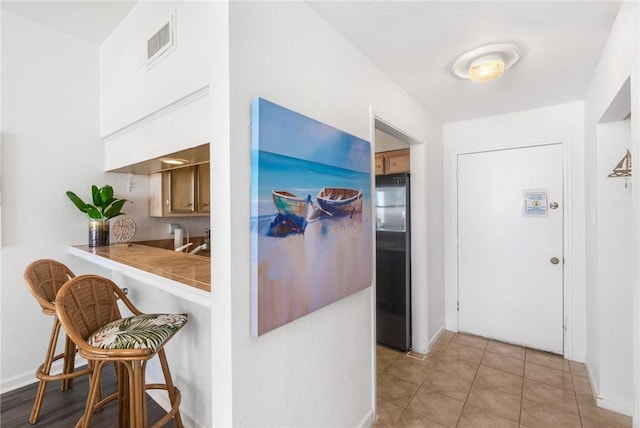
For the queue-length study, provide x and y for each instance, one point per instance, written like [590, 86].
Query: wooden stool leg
[143, 390]
[138, 396]
[46, 369]
[95, 385]
[124, 388]
[69, 362]
[170, 388]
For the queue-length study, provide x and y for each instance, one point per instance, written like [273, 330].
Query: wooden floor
[63, 409]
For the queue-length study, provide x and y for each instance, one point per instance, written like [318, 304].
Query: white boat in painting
[340, 202]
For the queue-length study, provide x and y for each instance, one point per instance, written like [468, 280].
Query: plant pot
[98, 233]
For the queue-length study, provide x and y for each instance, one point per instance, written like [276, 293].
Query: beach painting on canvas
[311, 230]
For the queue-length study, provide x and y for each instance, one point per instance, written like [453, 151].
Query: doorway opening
[393, 208]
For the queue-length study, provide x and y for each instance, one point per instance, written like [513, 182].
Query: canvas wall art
[311, 230]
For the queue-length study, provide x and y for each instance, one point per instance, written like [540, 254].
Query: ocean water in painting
[305, 254]
[300, 177]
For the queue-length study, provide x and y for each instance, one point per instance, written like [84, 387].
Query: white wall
[635, 227]
[385, 142]
[619, 60]
[49, 145]
[615, 295]
[129, 89]
[317, 370]
[435, 237]
[560, 123]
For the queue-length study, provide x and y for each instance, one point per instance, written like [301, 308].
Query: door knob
[554, 260]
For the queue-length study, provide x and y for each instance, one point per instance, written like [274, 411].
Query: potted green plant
[105, 207]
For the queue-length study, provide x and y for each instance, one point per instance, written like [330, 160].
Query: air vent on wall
[162, 42]
[159, 40]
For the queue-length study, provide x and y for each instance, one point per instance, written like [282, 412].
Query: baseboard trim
[435, 338]
[590, 378]
[162, 399]
[367, 420]
[16, 382]
[624, 407]
[28, 378]
[579, 357]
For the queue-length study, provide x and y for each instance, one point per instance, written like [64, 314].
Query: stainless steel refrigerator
[393, 261]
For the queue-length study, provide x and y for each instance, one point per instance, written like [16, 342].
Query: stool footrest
[40, 373]
[163, 421]
[174, 409]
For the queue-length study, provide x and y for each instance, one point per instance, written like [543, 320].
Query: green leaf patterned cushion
[141, 331]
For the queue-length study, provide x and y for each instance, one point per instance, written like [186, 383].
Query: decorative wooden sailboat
[623, 168]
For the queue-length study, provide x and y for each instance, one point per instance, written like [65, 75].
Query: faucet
[183, 247]
[205, 244]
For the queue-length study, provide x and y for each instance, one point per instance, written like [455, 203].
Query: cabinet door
[156, 196]
[397, 162]
[204, 188]
[379, 164]
[181, 190]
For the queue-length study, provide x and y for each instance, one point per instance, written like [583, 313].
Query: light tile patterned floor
[469, 381]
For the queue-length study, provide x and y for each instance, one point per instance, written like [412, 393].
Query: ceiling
[416, 42]
[89, 20]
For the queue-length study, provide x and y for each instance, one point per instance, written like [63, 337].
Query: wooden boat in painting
[293, 209]
[340, 202]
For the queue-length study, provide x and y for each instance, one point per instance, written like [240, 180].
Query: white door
[510, 246]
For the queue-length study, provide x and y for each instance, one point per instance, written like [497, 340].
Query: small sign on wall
[535, 202]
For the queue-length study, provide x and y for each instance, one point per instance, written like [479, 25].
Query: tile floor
[468, 381]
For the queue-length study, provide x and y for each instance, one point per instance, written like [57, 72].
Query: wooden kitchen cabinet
[203, 188]
[379, 164]
[180, 192]
[392, 162]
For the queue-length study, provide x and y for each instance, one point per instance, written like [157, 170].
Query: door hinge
[458, 306]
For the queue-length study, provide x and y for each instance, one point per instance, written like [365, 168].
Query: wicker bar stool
[87, 308]
[44, 278]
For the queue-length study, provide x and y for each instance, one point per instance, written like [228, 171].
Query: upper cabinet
[180, 192]
[392, 162]
[203, 185]
[157, 60]
[379, 163]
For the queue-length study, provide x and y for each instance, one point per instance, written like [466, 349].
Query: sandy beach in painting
[302, 273]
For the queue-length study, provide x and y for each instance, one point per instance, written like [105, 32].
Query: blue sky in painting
[285, 132]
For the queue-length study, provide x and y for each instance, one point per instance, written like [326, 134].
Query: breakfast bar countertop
[187, 276]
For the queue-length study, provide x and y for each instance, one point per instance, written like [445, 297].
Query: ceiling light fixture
[486, 63]
[174, 161]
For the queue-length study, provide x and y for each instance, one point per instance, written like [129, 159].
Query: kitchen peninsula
[164, 281]
[183, 275]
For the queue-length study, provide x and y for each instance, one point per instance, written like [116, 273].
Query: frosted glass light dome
[486, 63]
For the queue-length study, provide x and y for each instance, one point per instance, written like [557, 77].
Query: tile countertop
[187, 276]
